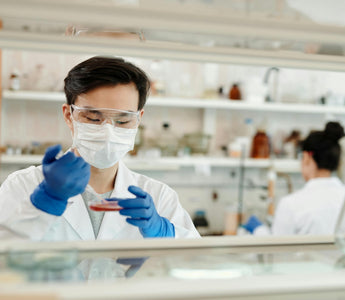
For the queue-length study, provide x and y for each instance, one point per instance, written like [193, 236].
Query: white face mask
[102, 146]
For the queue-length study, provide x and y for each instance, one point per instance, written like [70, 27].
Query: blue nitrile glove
[135, 264]
[63, 178]
[252, 223]
[142, 213]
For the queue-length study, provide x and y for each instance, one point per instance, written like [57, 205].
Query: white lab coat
[20, 219]
[313, 210]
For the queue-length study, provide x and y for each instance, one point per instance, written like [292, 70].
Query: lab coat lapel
[78, 217]
[113, 222]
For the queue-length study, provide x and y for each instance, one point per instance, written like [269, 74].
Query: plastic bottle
[231, 220]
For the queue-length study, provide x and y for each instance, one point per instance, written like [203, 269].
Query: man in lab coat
[105, 100]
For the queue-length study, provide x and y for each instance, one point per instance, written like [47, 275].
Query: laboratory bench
[246, 267]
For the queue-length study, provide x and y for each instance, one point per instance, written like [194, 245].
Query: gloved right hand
[63, 178]
[252, 223]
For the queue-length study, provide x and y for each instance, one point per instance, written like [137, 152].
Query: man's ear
[141, 114]
[66, 111]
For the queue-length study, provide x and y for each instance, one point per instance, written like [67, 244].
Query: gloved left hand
[142, 213]
[252, 223]
[135, 264]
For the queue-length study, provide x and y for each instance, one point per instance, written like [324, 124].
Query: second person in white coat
[315, 208]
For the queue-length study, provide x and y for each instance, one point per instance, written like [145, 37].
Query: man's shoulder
[31, 173]
[145, 181]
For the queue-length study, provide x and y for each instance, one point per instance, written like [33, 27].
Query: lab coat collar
[323, 181]
[78, 217]
[113, 222]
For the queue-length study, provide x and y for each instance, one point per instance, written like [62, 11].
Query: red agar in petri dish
[105, 207]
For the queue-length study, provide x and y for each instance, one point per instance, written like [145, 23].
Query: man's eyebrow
[94, 109]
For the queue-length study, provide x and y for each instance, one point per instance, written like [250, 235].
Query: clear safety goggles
[100, 116]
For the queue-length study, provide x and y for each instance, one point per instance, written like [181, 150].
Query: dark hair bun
[334, 131]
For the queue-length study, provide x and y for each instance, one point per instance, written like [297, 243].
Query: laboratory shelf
[33, 96]
[245, 106]
[192, 103]
[175, 163]
[21, 159]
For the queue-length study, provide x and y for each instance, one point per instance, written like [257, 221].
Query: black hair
[324, 146]
[105, 71]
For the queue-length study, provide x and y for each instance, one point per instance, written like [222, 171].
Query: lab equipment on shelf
[198, 143]
[231, 220]
[260, 145]
[15, 81]
[272, 94]
[139, 140]
[167, 141]
[235, 93]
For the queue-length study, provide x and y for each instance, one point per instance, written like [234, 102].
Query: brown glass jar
[260, 145]
[235, 93]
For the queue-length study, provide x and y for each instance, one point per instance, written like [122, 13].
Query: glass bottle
[167, 142]
[235, 93]
[15, 81]
[156, 73]
[139, 140]
[260, 145]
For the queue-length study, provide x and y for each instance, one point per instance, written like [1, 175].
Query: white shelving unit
[210, 106]
[175, 163]
[191, 103]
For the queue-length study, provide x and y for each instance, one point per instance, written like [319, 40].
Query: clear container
[198, 143]
[231, 220]
[167, 141]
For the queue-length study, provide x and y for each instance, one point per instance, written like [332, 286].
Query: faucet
[272, 93]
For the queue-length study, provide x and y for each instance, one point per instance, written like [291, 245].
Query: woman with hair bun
[315, 208]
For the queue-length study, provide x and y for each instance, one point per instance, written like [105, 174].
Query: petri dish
[104, 205]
